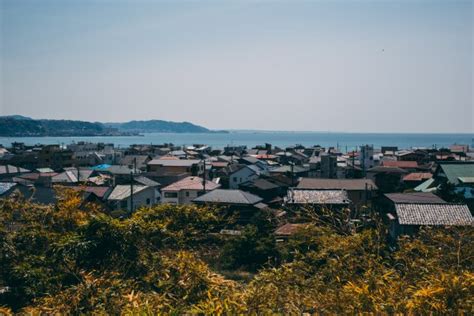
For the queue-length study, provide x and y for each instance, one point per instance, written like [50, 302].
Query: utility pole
[292, 164]
[131, 191]
[204, 176]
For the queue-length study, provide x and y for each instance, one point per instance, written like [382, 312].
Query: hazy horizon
[320, 66]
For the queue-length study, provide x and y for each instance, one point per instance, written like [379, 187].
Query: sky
[352, 66]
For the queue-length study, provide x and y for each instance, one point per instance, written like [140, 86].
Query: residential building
[366, 157]
[328, 166]
[186, 190]
[409, 217]
[242, 204]
[193, 167]
[120, 197]
[242, 174]
[331, 199]
[359, 191]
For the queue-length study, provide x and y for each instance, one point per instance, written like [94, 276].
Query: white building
[186, 190]
[243, 174]
[120, 197]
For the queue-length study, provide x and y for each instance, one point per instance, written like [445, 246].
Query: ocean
[345, 141]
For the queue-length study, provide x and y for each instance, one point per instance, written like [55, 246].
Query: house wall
[240, 176]
[183, 196]
[147, 197]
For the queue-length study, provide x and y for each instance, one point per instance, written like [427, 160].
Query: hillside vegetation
[71, 259]
[11, 126]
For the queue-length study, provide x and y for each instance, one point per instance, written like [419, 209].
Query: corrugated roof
[454, 171]
[7, 169]
[121, 192]
[191, 183]
[385, 169]
[400, 164]
[417, 176]
[146, 181]
[220, 196]
[98, 191]
[286, 168]
[416, 197]
[336, 184]
[322, 197]
[434, 214]
[289, 229]
[426, 186]
[174, 162]
[466, 179]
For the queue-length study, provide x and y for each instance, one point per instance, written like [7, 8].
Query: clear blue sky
[382, 66]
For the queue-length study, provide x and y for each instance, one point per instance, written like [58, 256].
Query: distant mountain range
[21, 126]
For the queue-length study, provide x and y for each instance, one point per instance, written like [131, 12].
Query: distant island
[21, 126]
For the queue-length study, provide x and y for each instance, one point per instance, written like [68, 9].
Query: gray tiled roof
[229, 197]
[434, 214]
[6, 186]
[322, 197]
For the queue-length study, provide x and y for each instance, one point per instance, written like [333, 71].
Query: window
[171, 194]
[148, 201]
[187, 193]
[235, 179]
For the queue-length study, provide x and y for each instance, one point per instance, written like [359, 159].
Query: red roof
[265, 156]
[400, 164]
[98, 191]
[417, 176]
[289, 229]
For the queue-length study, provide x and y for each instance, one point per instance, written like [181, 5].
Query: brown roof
[400, 164]
[415, 197]
[336, 184]
[191, 183]
[417, 176]
[98, 191]
[219, 164]
[289, 229]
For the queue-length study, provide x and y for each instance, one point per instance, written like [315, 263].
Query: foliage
[67, 259]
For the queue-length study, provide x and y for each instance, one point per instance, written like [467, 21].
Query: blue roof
[101, 167]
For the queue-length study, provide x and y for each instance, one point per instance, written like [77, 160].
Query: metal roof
[121, 192]
[221, 196]
[289, 229]
[7, 169]
[434, 214]
[336, 184]
[454, 171]
[416, 197]
[174, 162]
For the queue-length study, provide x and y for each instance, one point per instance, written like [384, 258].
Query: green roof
[466, 179]
[426, 186]
[454, 171]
